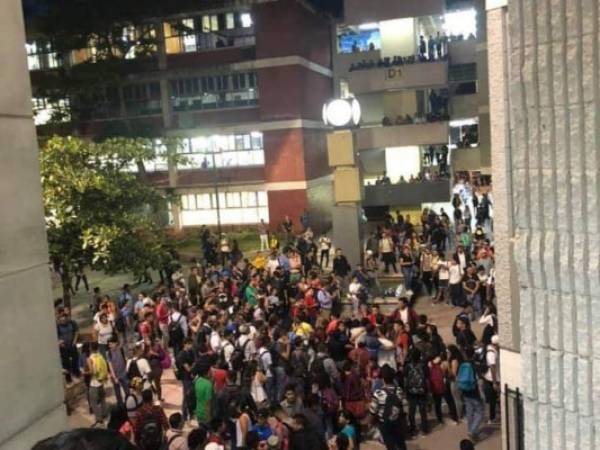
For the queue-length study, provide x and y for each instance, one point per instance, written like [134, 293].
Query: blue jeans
[407, 273]
[122, 382]
[475, 301]
[474, 413]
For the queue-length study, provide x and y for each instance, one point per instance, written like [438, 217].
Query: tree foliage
[98, 210]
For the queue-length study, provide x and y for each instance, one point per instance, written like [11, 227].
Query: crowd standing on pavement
[289, 350]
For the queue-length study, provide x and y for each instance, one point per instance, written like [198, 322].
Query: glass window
[242, 80]
[203, 201]
[233, 200]
[199, 144]
[247, 142]
[214, 22]
[206, 24]
[191, 201]
[239, 142]
[184, 202]
[246, 20]
[231, 142]
[257, 140]
[262, 198]
[229, 21]
[249, 199]
[252, 79]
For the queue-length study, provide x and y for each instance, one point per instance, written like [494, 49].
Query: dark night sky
[334, 7]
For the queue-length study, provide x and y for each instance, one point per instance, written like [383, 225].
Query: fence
[513, 416]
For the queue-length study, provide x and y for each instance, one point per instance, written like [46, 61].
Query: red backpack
[436, 380]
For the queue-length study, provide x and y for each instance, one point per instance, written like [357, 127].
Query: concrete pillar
[31, 387]
[551, 152]
[347, 231]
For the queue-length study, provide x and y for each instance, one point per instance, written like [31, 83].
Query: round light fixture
[342, 112]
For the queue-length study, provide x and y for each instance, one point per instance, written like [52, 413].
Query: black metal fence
[513, 416]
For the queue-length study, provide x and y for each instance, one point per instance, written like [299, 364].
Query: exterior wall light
[342, 113]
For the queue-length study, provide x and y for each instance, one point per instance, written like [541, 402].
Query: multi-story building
[242, 83]
[419, 71]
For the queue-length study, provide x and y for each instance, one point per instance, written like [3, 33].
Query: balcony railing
[419, 75]
[433, 133]
[407, 194]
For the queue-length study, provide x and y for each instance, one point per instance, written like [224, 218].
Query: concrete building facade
[367, 42]
[545, 103]
[31, 387]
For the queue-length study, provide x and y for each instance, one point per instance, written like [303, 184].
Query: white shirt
[249, 349]
[265, 361]
[324, 243]
[462, 260]
[215, 342]
[105, 332]
[455, 274]
[144, 368]
[491, 357]
[386, 353]
[443, 273]
[176, 316]
[272, 265]
[228, 349]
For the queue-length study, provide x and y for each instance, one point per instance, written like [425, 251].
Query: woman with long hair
[455, 358]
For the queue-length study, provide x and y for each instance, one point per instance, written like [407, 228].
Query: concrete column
[31, 387]
[552, 152]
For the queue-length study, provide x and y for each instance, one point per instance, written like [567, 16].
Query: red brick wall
[292, 203]
[210, 58]
[218, 117]
[284, 155]
[283, 28]
[290, 92]
[315, 154]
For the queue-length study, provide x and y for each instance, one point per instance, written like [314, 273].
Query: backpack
[415, 379]
[151, 433]
[466, 379]
[137, 403]
[480, 360]
[175, 331]
[436, 380]
[100, 367]
[329, 401]
[392, 410]
[134, 370]
[299, 364]
[238, 357]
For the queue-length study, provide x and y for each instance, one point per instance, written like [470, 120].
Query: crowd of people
[287, 351]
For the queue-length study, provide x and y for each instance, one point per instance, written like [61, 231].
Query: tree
[99, 210]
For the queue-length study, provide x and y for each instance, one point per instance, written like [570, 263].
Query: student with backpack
[387, 411]
[416, 387]
[176, 439]
[439, 387]
[98, 369]
[150, 424]
[466, 381]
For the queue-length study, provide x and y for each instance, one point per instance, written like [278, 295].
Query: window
[462, 72]
[41, 56]
[246, 20]
[235, 207]
[144, 98]
[228, 151]
[214, 22]
[45, 110]
[362, 38]
[229, 21]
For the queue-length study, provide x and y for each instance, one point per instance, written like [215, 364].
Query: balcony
[407, 194]
[433, 133]
[343, 61]
[407, 76]
[364, 11]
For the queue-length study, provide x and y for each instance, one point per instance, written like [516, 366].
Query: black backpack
[134, 370]
[151, 433]
[176, 332]
[480, 360]
[392, 410]
[415, 379]
[238, 357]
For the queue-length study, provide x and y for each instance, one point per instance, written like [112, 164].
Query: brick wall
[288, 202]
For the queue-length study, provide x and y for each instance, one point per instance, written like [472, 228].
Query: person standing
[150, 424]
[387, 411]
[406, 265]
[68, 334]
[263, 233]
[176, 439]
[117, 364]
[415, 382]
[98, 370]
[184, 362]
[466, 381]
[386, 249]
[324, 249]
[341, 266]
[204, 395]
[491, 378]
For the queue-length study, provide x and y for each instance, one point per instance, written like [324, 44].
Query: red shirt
[145, 329]
[219, 377]
[332, 326]
[162, 313]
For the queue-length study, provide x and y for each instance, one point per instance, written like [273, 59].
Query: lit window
[246, 20]
[229, 21]
[203, 201]
[461, 23]
[233, 200]
[184, 202]
[206, 24]
[214, 22]
[262, 198]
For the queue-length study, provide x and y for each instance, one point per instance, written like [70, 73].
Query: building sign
[393, 74]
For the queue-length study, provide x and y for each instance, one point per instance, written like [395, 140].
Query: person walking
[491, 378]
[467, 383]
[97, 367]
[387, 411]
[117, 363]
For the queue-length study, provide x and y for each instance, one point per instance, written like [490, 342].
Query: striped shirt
[379, 397]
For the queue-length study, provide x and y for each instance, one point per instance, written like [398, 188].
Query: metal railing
[513, 416]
